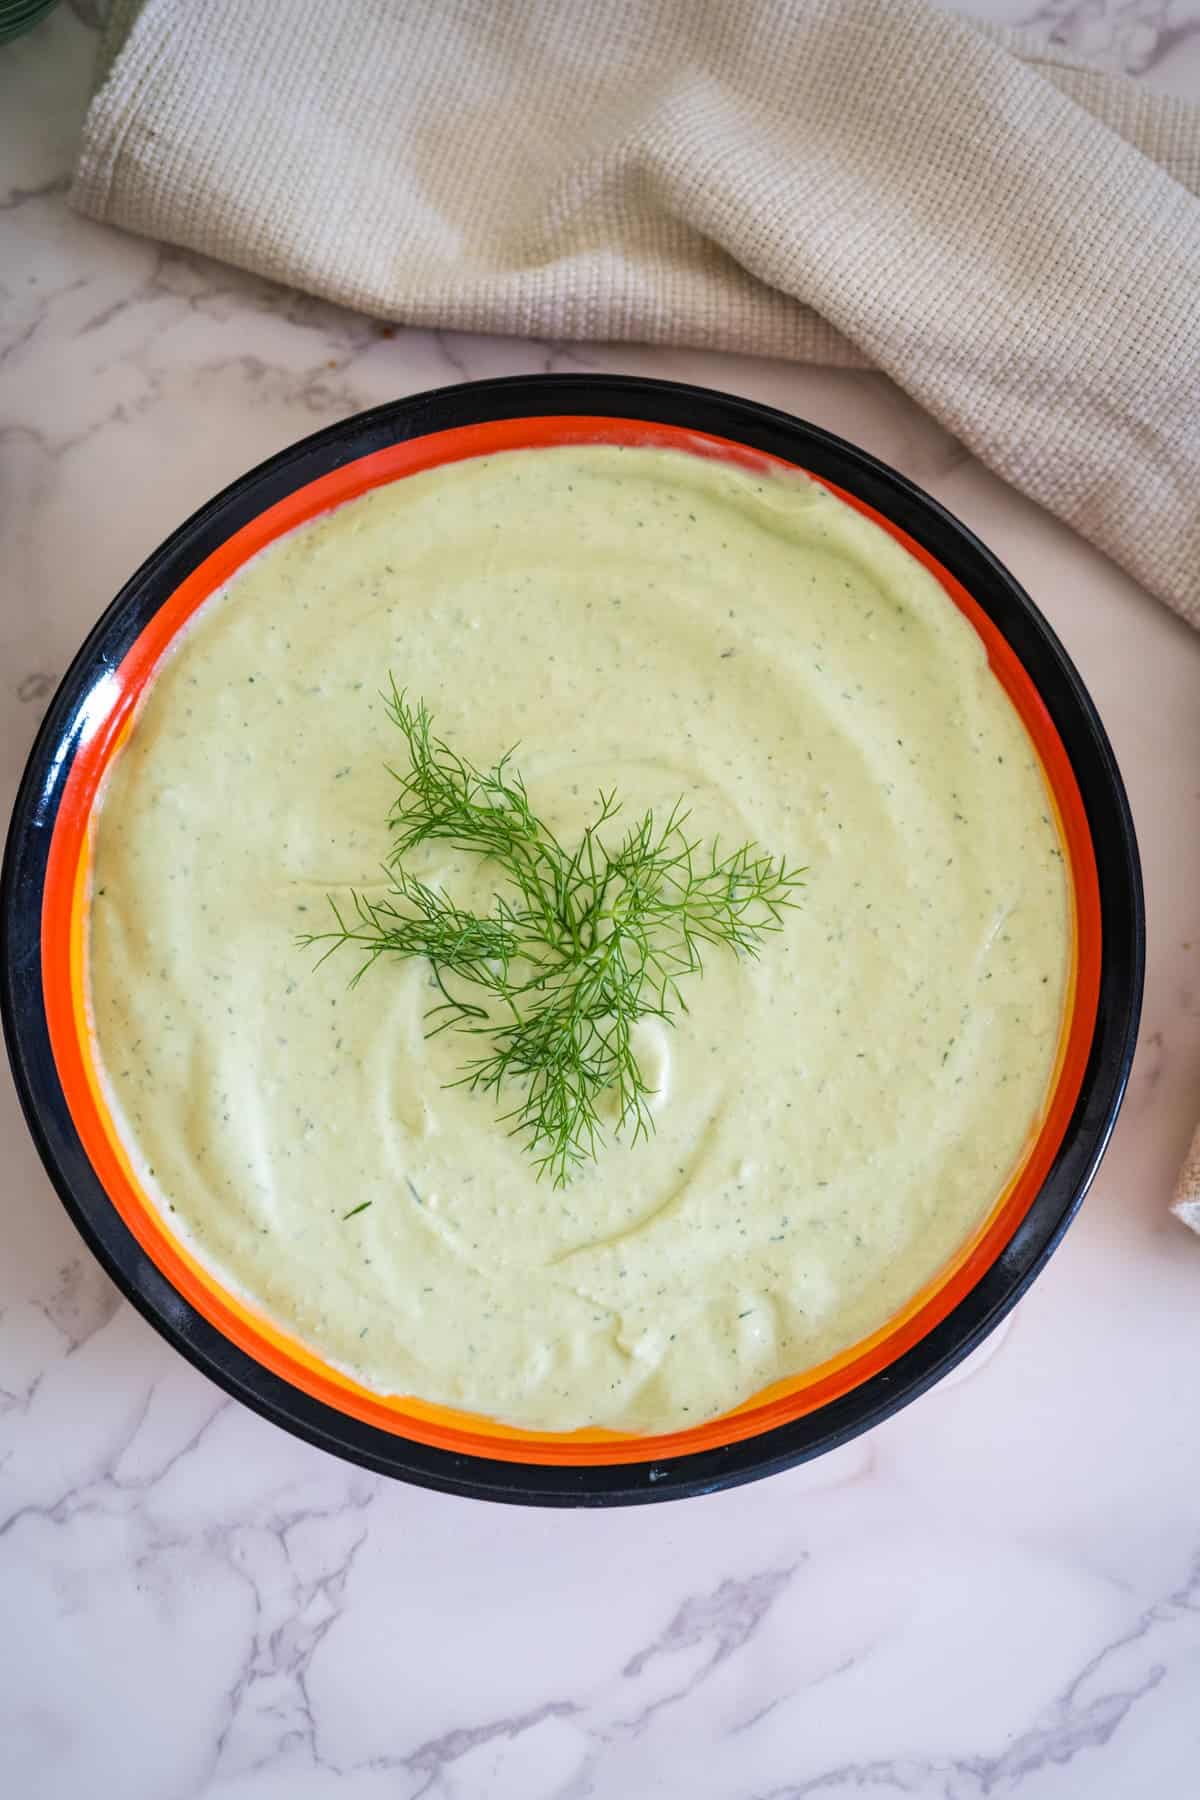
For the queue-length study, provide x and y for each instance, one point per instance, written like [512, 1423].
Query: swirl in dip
[833, 1120]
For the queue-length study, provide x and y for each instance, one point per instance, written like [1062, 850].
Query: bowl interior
[107, 714]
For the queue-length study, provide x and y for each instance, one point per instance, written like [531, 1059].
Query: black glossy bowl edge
[692, 408]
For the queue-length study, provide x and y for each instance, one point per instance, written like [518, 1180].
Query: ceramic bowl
[44, 900]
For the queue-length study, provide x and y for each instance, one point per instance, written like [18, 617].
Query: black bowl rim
[692, 408]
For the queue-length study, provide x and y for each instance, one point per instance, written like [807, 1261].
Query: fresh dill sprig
[579, 945]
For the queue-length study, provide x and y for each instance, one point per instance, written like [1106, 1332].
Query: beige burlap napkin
[1187, 1196]
[1013, 237]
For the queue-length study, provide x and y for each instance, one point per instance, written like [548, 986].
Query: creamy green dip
[833, 1120]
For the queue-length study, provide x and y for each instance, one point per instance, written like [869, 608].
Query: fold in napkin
[1013, 237]
[1187, 1196]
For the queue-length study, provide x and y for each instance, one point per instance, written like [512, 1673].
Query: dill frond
[579, 945]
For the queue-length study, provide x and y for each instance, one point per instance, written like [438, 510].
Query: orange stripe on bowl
[64, 965]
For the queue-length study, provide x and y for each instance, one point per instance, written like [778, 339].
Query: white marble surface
[996, 1592]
